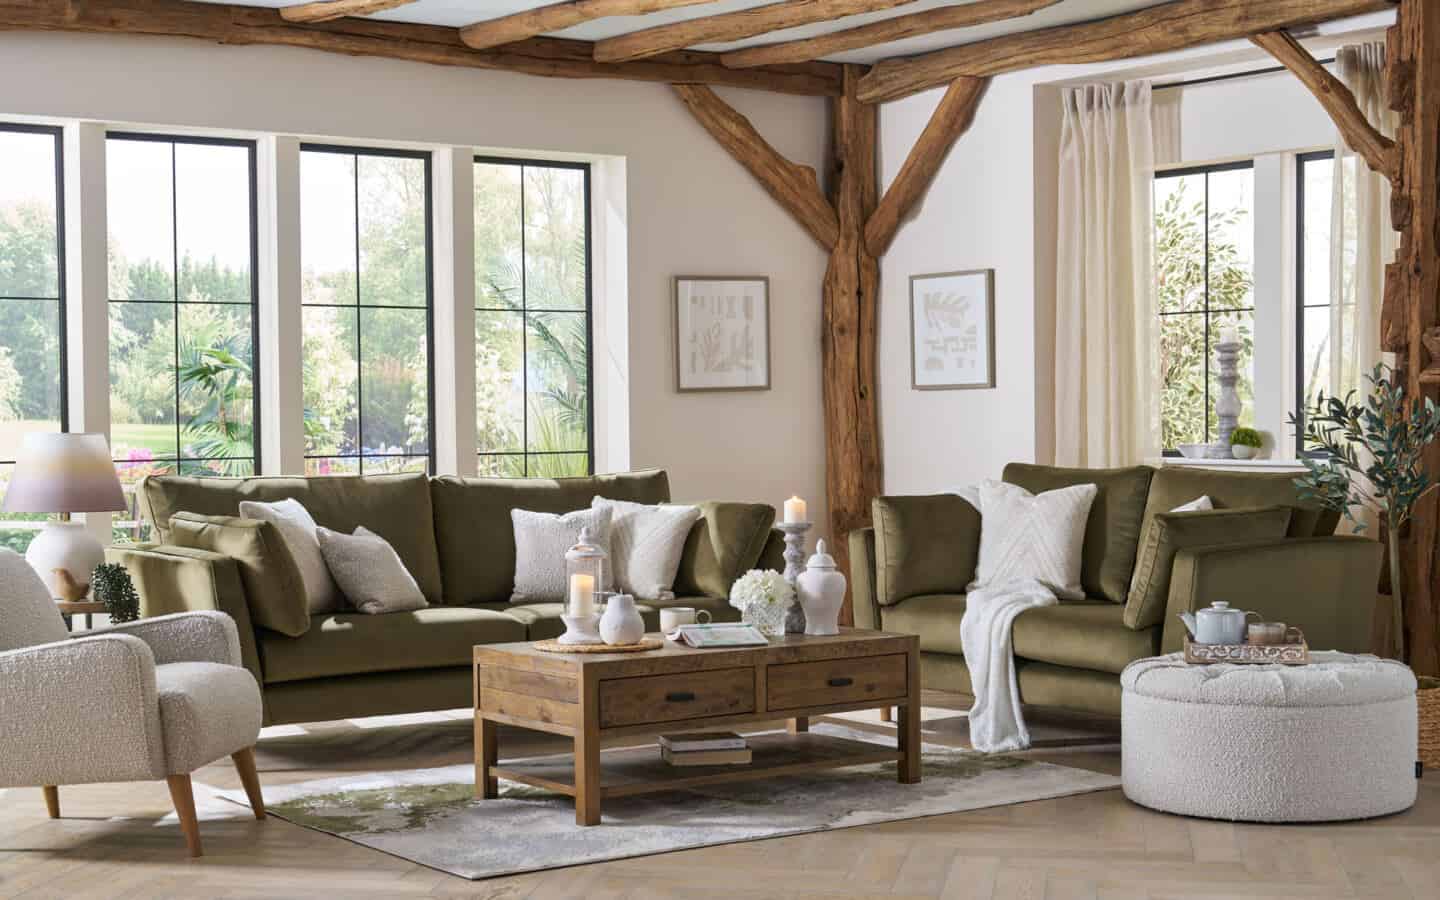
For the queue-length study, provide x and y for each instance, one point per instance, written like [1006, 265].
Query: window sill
[1236, 465]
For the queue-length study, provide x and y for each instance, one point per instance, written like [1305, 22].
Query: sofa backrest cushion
[274, 590]
[924, 545]
[396, 507]
[1112, 533]
[476, 538]
[1174, 485]
[727, 542]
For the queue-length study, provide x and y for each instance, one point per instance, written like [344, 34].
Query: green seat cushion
[726, 543]
[476, 538]
[542, 620]
[396, 507]
[1112, 533]
[1174, 485]
[1170, 532]
[356, 644]
[934, 617]
[924, 545]
[274, 591]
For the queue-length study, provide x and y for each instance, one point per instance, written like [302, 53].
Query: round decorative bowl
[1242, 451]
[1194, 451]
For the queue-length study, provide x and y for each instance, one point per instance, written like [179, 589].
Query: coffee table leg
[908, 772]
[587, 777]
[487, 786]
[798, 725]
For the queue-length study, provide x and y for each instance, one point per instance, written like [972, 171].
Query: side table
[85, 608]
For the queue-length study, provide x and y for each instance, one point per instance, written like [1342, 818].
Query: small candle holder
[581, 630]
[794, 565]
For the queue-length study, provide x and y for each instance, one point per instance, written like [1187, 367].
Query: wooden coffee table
[593, 696]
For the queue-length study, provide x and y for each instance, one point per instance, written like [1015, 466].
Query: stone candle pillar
[1227, 405]
[794, 565]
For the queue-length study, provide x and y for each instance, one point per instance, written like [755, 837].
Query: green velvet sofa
[910, 572]
[455, 537]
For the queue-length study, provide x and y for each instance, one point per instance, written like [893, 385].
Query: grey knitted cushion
[369, 572]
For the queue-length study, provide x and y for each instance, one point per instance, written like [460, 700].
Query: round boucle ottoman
[1331, 740]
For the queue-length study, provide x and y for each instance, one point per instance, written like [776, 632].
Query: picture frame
[722, 333]
[952, 330]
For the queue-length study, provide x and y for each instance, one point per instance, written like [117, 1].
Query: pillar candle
[794, 510]
[582, 594]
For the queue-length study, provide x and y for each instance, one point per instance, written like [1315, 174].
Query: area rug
[430, 816]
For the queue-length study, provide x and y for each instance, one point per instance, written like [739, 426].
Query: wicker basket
[1428, 701]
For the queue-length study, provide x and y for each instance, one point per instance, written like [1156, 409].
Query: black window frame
[1300, 305]
[427, 158]
[525, 453]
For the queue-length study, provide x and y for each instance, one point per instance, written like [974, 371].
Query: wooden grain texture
[244, 761]
[732, 26]
[793, 186]
[329, 10]
[1155, 29]
[52, 801]
[799, 685]
[431, 44]
[675, 698]
[951, 118]
[556, 16]
[182, 795]
[895, 28]
[525, 681]
[524, 706]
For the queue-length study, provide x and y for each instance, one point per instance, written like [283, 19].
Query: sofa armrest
[183, 579]
[1327, 586]
[200, 636]
[862, 578]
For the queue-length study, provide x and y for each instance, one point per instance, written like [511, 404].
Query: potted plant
[112, 586]
[1245, 443]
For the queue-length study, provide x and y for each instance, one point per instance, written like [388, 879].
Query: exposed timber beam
[434, 44]
[732, 26]
[793, 186]
[545, 19]
[1155, 29]
[897, 28]
[329, 10]
[950, 120]
[1376, 149]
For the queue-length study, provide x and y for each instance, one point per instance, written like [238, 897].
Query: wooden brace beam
[329, 10]
[545, 19]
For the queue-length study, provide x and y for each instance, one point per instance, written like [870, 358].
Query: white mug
[673, 617]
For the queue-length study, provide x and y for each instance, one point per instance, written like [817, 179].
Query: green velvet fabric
[924, 545]
[725, 544]
[396, 507]
[273, 588]
[934, 617]
[1176, 485]
[1171, 532]
[476, 538]
[1324, 585]
[773, 556]
[358, 696]
[862, 578]
[1041, 684]
[1112, 533]
[359, 644]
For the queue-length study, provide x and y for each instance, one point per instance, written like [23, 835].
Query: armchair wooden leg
[183, 797]
[52, 800]
[245, 765]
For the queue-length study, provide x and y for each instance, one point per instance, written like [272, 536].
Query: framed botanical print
[722, 333]
[952, 330]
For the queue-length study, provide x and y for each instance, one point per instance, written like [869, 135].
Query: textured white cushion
[1199, 504]
[646, 543]
[369, 572]
[297, 530]
[28, 615]
[1030, 536]
[541, 541]
[207, 711]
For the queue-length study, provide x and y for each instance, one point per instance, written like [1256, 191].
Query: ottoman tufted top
[1331, 679]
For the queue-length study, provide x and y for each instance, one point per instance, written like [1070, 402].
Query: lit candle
[582, 594]
[794, 510]
[1230, 335]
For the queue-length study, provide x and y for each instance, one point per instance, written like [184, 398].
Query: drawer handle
[679, 697]
[841, 682]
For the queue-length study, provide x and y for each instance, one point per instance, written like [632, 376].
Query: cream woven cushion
[646, 544]
[1039, 536]
[541, 542]
[297, 530]
[369, 572]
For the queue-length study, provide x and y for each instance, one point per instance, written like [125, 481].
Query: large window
[532, 318]
[1204, 261]
[32, 301]
[365, 256]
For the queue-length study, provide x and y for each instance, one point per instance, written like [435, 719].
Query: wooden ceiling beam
[329, 10]
[1155, 29]
[732, 26]
[557, 16]
[897, 28]
[433, 44]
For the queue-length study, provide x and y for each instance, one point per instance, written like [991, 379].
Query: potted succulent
[1245, 443]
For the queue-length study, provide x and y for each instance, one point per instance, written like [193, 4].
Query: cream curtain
[1107, 406]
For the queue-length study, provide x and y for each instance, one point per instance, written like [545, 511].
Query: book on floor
[703, 740]
[706, 757]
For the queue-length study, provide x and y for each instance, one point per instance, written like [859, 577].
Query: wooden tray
[1290, 654]
[649, 643]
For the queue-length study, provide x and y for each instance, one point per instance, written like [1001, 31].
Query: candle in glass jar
[794, 510]
[582, 594]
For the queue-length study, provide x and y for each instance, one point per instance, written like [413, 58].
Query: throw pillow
[297, 530]
[924, 545]
[1199, 504]
[1169, 533]
[724, 544]
[1039, 536]
[541, 541]
[274, 589]
[369, 572]
[646, 543]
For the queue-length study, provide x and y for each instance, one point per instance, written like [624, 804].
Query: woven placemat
[553, 646]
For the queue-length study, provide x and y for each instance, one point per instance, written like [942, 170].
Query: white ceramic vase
[621, 623]
[68, 546]
[1242, 451]
[821, 590]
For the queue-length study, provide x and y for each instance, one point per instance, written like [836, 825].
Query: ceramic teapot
[1217, 624]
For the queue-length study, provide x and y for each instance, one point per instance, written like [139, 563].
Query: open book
[704, 636]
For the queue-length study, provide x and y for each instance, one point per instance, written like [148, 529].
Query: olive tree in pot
[1371, 456]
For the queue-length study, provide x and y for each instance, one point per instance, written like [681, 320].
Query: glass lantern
[584, 575]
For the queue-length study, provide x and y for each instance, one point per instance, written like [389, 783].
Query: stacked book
[705, 748]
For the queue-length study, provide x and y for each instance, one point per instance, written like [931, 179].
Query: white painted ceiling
[464, 12]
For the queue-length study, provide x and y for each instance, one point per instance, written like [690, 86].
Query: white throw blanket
[996, 722]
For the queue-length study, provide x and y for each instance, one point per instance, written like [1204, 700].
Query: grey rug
[430, 816]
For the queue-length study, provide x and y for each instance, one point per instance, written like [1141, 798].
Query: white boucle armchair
[152, 699]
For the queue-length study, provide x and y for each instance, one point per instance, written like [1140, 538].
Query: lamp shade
[64, 473]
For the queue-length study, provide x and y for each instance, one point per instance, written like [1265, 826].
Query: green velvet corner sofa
[455, 537]
[1262, 549]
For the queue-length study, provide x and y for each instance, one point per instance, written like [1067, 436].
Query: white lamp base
[68, 547]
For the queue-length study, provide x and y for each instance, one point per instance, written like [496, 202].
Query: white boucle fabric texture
[1330, 741]
[541, 542]
[370, 573]
[207, 711]
[27, 611]
[646, 544]
[299, 532]
[202, 636]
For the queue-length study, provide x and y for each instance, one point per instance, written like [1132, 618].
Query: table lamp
[64, 473]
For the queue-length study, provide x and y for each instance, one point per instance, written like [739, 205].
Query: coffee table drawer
[669, 698]
[796, 685]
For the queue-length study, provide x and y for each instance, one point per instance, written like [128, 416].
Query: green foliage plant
[1246, 437]
[111, 585]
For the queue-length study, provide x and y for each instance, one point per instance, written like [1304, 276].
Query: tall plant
[1371, 456]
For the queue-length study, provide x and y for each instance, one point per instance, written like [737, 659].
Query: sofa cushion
[355, 644]
[1112, 532]
[396, 507]
[725, 544]
[934, 617]
[274, 590]
[542, 620]
[476, 539]
[924, 545]
[1174, 485]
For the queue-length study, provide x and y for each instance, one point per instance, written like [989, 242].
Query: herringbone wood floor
[123, 841]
